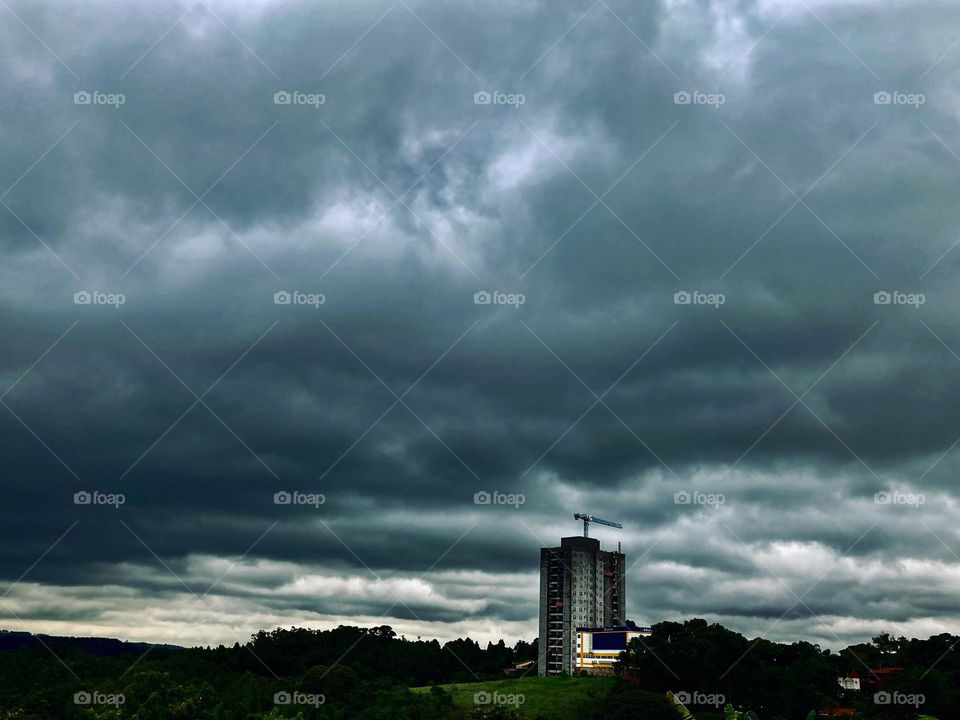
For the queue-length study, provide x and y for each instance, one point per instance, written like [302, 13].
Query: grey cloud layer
[398, 198]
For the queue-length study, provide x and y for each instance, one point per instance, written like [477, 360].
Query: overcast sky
[680, 211]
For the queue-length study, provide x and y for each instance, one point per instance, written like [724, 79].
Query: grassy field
[558, 697]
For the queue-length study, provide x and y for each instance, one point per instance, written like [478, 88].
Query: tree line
[365, 674]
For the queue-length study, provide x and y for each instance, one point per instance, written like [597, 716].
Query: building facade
[580, 586]
[849, 682]
[598, 648]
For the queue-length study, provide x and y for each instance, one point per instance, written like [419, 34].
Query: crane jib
[587, 519]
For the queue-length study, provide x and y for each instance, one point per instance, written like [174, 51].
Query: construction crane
[587, 519]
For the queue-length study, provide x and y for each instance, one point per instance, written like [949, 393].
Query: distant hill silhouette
[106, 647]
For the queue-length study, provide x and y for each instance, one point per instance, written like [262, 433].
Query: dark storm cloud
[398, 198]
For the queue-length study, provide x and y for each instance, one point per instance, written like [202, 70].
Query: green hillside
[563, 698]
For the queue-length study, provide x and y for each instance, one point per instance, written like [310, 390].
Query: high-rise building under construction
[581, 586]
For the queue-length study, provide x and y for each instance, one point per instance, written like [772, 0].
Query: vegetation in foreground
[366, 674]
[901, 679]
[557, 698]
